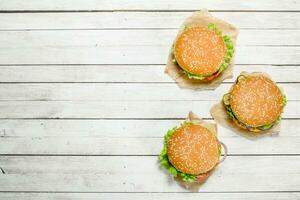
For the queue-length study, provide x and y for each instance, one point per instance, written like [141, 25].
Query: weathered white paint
[133, 38]
[92, 54]
[117, 165]
[116, 109]
[150, 196]
[143, 174]
[119, 92]
[133, 137]
[124, 73]
[269, 38]
[107, 5]
[102, 128]
[139, 20]
[88, 47]
[139, 146]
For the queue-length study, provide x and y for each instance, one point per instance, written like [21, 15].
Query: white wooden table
[84, 102]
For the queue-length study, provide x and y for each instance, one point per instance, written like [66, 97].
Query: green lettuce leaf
[229, 46]
[192, 76]
[187, 177]
[226, 98]
[165, 163]
[284, 100]
[266, 127]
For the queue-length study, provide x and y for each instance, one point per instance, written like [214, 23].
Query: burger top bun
[193, 149]
[199, 50]
[256, 100]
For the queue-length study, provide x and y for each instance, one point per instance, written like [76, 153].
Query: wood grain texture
[116, 109]
[112, 175]
[117, 165]
[140, 20]
[84, 101]
[135, 55]
[124, 73]
[126, 137]
[119, 92]
[132, 38]
[174, 5]
[149, 196]
[139, 146]
[102, 128]
[131, 47]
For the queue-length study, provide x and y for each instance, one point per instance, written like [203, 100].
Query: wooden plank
[149, 196]
[99, 47]
[124, 73]
[99, 137]
[139, 20]
[96, 165]
[142, 174]
[118, 92]
[144, 38]
[68, 128]
[135, 55]
[107, 5]
[115, 109]
[138, 146]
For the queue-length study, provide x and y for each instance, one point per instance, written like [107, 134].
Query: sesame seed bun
[199, 50]
[193, 149]
[256, 100]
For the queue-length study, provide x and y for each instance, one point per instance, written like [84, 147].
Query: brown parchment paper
[218, 112]
[194, 186]
[193, 118]
[202, 18]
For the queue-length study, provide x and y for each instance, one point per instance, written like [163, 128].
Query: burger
[202, 53]
[190, 152]
[255, 102]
